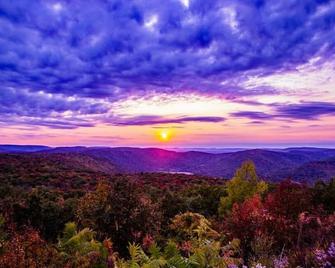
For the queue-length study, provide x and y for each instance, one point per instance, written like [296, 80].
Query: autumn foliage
[139, 221]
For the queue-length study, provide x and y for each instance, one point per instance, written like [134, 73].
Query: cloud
[306, 110]
[24, 102]
[253, 115]
[256, 122]
[53, 123]
[88, 54]
[157, 120]
[298, 111]
[93, 48]
[50, 110]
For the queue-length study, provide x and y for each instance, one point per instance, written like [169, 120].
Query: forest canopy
[164, 220]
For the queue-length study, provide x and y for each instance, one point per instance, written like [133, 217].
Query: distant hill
[271, 164]
[77, 172]
[59, 170]
[208, 150]
[300, 164]
[22, 148]
[56, 161]
[314, 170]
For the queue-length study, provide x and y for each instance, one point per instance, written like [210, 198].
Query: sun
[164, 135]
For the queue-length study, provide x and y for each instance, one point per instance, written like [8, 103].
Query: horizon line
[186, 147]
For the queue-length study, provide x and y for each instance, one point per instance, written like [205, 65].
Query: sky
[172, 73]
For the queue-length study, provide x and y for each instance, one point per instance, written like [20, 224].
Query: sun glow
[164, 135]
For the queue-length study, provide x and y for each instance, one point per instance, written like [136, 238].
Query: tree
[2, 234]
[324, 194]
[203, 198]
[120, 211]
[46, 211]
[248, 222]
[244, 184]
[28, 249]
[289, 200]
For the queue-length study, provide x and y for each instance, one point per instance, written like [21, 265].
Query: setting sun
[164, 135]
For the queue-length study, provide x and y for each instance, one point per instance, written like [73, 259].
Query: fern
[171, 250]
[136, 253]
[155, 251]
[181, 262]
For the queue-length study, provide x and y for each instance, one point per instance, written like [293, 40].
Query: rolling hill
[301, 164]
[22, 148]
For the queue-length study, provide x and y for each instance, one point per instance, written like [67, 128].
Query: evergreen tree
[244, 184]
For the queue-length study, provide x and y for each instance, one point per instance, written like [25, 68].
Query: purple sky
[210, 73]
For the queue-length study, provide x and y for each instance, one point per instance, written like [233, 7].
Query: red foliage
[148, 241]
[287, 215]
[27, 249]
[289, 200]
[248, 219]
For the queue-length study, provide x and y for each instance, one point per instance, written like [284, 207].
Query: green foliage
[195, 246]
[202, 257]
[192, 226]
[80, 248]
[204, 198]
[244, 184]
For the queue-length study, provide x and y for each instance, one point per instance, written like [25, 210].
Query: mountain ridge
[272, 165]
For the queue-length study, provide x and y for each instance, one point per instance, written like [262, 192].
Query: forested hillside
[65, 214]
[306, 165]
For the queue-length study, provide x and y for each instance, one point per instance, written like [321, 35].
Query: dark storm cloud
[114, 49]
